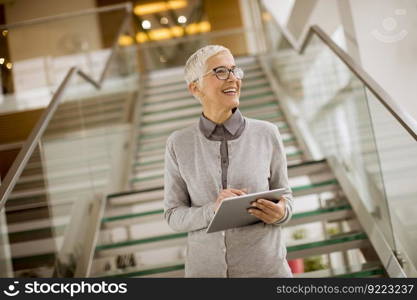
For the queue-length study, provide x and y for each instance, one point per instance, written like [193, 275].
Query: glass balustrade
[43, 50]
[352, 126]
[51, 214]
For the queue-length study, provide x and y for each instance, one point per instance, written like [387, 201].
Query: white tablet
[233, 211]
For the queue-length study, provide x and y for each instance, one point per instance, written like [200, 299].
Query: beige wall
[55, 38]
[223, 15]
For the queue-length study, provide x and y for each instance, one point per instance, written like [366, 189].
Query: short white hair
[194, 67]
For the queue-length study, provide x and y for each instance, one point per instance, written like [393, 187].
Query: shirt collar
[232, 124]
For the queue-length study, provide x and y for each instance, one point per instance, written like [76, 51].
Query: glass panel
[40, 55]
[80, 158]
[398, 159]
[333, 102]
[174, 52]
[5, 258]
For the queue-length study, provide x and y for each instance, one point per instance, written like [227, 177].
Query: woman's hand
[227, 193]
[268, 211]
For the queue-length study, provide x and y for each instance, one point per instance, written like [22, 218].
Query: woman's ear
[194, 88]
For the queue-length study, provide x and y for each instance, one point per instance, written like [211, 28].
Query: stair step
[368, 269]
[329, 214]
[154, 270]
[34, 261]
[180, 88]
[156, 181]
[138, 196]
[270, 110]
[18, 216]
[166, 97]
[59, 190]
[161, 138]
[257, 106]
[182, 103]
[158, 162]
[83, 124]
[273, 118]
[332, 213]
[194, 109]
[166, 81]
[175, 76]
[155, 216]
[308, 167]
[171, 81]
[130, 246]
[36, 234]
[65, 173]
[338, 243]
[91, 113]
[148, 170]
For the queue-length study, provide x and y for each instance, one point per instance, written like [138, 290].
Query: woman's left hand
[268, 211]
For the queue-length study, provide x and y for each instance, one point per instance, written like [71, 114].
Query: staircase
[135, 241]
[73, 160]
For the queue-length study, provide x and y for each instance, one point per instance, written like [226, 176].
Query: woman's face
[212, 91]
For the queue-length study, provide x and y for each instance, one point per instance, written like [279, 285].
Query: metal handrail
[29, 145]
[406, 121]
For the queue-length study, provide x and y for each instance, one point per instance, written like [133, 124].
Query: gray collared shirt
[192, 182]
[231, 129]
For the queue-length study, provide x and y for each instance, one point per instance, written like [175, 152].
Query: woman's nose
[232, 77]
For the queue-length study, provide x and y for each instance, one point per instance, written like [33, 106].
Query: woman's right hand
[227, 193]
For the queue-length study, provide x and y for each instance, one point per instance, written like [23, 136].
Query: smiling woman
[223, 155]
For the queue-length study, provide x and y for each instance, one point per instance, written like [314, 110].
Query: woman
[222, 155]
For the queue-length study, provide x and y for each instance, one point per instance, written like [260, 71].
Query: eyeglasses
[223, 73]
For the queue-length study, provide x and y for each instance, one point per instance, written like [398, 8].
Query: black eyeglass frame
[232, 70]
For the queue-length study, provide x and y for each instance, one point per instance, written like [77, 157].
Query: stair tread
[349, 271]
[138, 164]
[142, 136]
[149, 270]
[151, 100]
[159, 212]
[161, 268]
[346, 237]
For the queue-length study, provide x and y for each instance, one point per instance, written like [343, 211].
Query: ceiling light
[146, 24]
[182, 19]
[177, 31]
[204, 26]
[164, 20]
[155, 7]
[1, 61]
[141, 37]
[9, 65]
[172, 32]
[125, 40]
[160, 34]
[192, 28]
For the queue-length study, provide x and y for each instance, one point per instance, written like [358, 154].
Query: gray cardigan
[192, 182]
